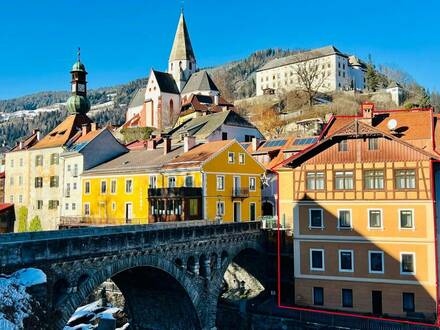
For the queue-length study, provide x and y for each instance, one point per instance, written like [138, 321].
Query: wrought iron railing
[240, 192]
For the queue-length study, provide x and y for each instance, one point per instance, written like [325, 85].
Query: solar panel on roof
[305, 141]
[275, 143]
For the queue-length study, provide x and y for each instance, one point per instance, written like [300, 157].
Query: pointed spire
[182, 49]
[79, 54]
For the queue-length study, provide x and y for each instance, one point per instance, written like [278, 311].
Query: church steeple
[78, 101]
[182, 62]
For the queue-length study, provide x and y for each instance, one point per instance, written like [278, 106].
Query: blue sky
[122, 39]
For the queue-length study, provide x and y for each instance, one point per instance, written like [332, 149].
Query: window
[343, 145]
[374, 219]
[39, 204]
[375, 262]
[241, 158]
[12, 163]
[153, 181]
[20, 180]
[21, 162]
[231, 158]
[220, 183]
[103, 187]
[54, 181]
[220, 209]
[252, 211]
[193, 207]
[405, 179]
[39, 160]
[347, 298]
[53, 204]
[346, 261]
[373, 143]
[252, 183]
[113, 186]
[11, 199]
[66, 206]
[54, 159]
[38, 182]
[75, 170]
[74, 186]
[129, 186]
[224, 135]
[73, 206]
[316, 218]
[318, 296]
[67, 192]
[344, 180]
[171, 182]
[408, 302]
[407, 263]
[406, 219]
[317, 259]
[11, 180]
[86, 209]
[87, 187]
[189, 181]
[374, 179]
[20, 199]
[344, 219]
[69, 167]
[315, 180]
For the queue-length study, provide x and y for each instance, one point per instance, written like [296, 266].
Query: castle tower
[78, 101]
[182, 62]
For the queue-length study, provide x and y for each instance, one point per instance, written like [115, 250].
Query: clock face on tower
[73, 88]
[81, 88]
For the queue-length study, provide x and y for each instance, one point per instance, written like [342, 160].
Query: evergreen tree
[425, 99]
[22, 219]
[371, 77]
[35, 224]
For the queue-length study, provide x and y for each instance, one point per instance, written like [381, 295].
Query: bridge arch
[120, 269]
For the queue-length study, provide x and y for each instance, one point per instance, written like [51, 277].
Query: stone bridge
[170, 275]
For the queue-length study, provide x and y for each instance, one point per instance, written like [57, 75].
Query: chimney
[254, 144]
[151, 144]
[367, 112]
[21, 145]
[189, 142]
[166, 145]
[85, 129]
[37, 131]
[216, 99]
[93, 127]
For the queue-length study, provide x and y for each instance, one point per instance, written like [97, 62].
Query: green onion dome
[78, 66]
[78, 104]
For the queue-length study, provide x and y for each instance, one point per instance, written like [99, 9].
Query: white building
[327, 68]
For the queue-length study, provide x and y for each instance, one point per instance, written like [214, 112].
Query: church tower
[182, 62]
[78, 103]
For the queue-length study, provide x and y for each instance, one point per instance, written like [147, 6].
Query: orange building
[360, 205]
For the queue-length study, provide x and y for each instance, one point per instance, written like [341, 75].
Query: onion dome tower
[78, 103]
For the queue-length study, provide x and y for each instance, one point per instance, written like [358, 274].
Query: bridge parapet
[31, 249]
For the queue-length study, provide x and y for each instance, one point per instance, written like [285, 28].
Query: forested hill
[235, 77]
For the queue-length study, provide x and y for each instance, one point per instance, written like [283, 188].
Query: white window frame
[370, 271]
[311, 259]
[154, 179]
[192, 180]
[351, 220]
[169, 179]
[116, 186]
[255, 205]
[241, 156]
[381, 219]
[255, 186]
[217, 209]
[413, 219]
[132, 184]
[233, 157]
[310, 218]
[216, 182]
[414, 262]
[100, 187]
[84, 209]
[87, 182]
[352, 262]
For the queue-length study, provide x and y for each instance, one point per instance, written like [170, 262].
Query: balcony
[176, 192]
[240, 192]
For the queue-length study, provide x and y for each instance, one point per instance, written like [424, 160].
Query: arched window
[180, 65]
[171, 106]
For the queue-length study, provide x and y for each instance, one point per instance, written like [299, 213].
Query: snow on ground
[15, 302]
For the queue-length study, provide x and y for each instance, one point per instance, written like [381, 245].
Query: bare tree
[311, 77]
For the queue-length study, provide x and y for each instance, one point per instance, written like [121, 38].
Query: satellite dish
[392, 124]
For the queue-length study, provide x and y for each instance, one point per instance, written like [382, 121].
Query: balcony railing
[174, 192]
[240, 192]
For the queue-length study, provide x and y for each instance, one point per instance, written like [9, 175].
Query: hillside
[235, 79]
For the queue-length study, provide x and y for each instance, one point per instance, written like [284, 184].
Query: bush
[22, 219]
[35, 224]
[136, 133]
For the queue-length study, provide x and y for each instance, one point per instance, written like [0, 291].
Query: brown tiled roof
[27, 142]
[61, 134]
[196, 156]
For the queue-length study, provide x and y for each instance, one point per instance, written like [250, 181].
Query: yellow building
[216, 180]
[360, 205]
